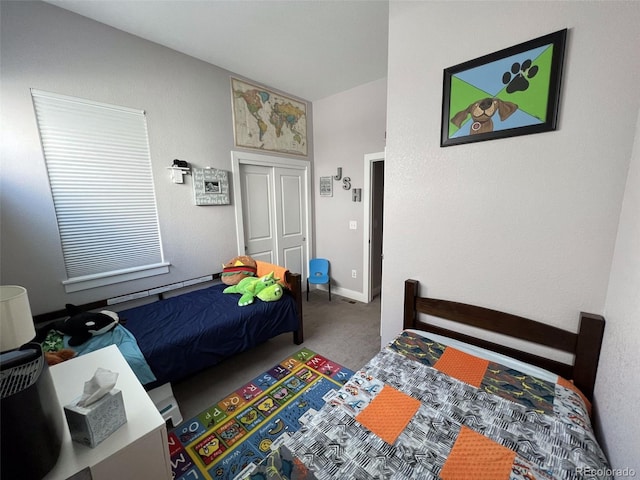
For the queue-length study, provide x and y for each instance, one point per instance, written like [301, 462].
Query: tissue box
[92, 424]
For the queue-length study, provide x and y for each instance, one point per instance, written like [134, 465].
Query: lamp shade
[16, 322]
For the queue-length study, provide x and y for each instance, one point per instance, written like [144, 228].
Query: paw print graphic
[516, 79]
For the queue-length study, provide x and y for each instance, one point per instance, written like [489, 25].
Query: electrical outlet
[354, 274]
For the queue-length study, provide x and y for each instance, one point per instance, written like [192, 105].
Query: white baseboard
[343, 292]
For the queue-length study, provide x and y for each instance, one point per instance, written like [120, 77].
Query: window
[99, 168]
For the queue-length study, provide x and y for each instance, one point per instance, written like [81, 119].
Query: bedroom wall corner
[620, 433]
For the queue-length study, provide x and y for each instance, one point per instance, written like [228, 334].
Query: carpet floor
[343, 330]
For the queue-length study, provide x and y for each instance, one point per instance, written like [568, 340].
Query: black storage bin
[32, 421]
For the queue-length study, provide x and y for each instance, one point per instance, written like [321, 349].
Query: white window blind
[99, 167]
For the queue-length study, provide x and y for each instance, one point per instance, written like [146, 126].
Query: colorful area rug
[240, 431]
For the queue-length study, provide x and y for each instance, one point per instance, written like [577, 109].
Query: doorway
[272, 202]
[373, 224]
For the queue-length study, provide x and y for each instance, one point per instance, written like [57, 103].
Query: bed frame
[585, 344]
[293, 280]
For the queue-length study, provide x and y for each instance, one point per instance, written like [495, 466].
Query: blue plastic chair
[319, 274]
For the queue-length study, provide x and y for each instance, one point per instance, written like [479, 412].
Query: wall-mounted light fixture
[179, 168]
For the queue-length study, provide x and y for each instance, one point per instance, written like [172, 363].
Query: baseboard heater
[159, 291]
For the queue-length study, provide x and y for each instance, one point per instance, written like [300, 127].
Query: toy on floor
[265, 288]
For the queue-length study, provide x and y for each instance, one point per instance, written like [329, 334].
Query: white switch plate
[353, 225]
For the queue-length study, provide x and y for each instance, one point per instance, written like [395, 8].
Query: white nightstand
[138, 449]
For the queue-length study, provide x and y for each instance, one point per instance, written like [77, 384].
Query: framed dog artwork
[511, 92]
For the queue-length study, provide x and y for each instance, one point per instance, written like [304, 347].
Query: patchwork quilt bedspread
[420, 409]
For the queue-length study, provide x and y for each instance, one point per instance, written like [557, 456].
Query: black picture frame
[514, 91]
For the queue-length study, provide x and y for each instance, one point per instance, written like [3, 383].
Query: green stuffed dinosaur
[266, 288]
[271, 293]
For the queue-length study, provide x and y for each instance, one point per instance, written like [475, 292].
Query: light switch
[353, 225]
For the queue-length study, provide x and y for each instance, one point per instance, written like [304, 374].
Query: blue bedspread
[184, 334]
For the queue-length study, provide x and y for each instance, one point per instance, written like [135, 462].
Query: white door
[272, 204]
[258, 212]
[290, 218]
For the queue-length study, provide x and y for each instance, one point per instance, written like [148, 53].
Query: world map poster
[266, 120]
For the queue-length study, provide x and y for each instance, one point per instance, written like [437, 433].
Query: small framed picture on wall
[210, 186]
[326, 186]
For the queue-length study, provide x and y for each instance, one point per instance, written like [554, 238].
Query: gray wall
[346, 127]
[188, 106]
[526, 224]
[614, 390]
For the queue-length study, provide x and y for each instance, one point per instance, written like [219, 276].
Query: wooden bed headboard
[585, 344]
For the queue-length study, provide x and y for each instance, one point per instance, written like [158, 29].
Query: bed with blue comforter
[182, 335]
[173, 338]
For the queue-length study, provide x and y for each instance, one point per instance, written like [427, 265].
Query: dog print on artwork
[514, 91]
[481, 113]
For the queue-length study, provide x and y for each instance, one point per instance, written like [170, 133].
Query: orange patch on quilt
[571, 386]
[463, 366]
[389, 413]
[476, 457]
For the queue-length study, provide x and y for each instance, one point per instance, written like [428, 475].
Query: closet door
[258, 216]
[290, 218]
[274, 215]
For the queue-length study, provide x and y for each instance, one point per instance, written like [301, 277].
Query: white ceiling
[308, 48]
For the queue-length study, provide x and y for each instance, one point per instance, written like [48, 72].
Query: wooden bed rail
[585, 345]
[294, 280]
